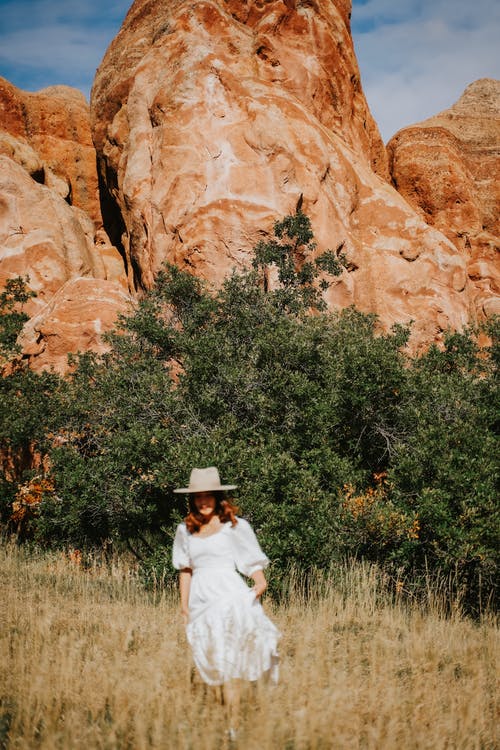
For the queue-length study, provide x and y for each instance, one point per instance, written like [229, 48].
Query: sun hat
[205, 480]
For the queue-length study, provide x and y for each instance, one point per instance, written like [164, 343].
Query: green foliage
[341, 443]
[28, 401]
[12, 317]
[29, 413]
[447, 467]
[290, 251]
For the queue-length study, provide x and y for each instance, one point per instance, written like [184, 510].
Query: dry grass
[88, 660]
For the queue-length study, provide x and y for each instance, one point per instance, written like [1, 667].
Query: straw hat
[205, 480]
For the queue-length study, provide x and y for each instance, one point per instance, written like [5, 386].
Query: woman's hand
[260, 583]
[185, 616]
[259, 588]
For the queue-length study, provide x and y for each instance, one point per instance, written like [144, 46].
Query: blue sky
[416, 56]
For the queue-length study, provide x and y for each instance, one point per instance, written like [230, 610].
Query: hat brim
[191, 491]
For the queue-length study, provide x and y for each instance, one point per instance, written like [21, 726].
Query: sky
[416, 56]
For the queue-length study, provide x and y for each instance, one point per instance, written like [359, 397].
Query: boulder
[73, 321]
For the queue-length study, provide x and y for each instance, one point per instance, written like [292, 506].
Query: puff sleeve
[248, 556]
[180, 549]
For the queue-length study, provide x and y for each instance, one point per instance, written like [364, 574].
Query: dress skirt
[228, 631]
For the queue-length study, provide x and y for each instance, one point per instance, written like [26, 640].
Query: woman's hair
[224, 508]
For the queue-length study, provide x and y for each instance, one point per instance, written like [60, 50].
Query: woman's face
[204, 503]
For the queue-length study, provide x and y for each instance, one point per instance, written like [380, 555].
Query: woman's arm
[184, 587]
[260, 583]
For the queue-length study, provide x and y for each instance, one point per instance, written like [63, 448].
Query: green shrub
[341, 443]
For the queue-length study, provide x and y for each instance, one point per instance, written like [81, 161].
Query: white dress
[229, 634]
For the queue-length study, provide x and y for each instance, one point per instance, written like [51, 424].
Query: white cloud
[420, 64]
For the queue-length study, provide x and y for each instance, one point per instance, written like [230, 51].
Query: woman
[230, 636]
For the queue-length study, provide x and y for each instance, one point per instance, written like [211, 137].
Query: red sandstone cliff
[55, 123]
[210, 121]
[50, 223]
[448, 169]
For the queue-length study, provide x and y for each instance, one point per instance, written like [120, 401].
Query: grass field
[88, 659]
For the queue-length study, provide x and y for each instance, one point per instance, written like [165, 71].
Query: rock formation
[73, 320]
[213, 119]
[448, 169]
[54, 122]
[201, 115]
[50, 222]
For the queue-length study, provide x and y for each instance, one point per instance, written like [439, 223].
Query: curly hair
[224, 508]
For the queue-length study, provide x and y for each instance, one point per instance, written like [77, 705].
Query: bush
[28, 413]
[341, 443]
[12, 316]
